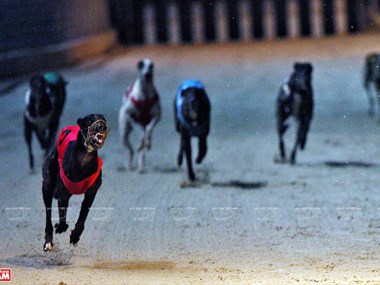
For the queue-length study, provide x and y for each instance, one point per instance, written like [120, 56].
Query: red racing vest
[144, 107]
[67, 135]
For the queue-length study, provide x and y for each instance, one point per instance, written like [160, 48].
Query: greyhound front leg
[141, 162]
[63, 203]
[202, 149]
[180, 153]
[282, 127]
[187, 146]
[47, 193]
[148, 132]
[300, 131]
[79, 226]
[28, 139]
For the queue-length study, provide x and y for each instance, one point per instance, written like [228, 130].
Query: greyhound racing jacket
[67, 135]
[144, 106]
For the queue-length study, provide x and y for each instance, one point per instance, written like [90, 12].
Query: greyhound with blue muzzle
[192, 111]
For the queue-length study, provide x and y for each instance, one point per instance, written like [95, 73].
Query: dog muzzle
[96, 135]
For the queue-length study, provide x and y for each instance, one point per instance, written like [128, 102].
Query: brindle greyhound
[192, 112]
[44, 103]
[73, 168]
[295, 99]
[140, 107]
[372, 79]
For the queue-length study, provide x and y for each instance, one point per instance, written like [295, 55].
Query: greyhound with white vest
[140, 107]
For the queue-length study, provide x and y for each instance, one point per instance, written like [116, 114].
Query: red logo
[5, 275]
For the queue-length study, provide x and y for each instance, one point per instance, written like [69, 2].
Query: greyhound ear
[297, 66]
[140, 65]
[79, 121]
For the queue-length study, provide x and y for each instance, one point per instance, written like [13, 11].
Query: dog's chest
[296, 104]
[141, 103]
[40, 121]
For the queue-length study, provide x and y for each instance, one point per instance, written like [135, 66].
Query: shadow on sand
[241, 184]
[39, 261]
[347, 163]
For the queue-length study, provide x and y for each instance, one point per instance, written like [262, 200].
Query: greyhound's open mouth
[96, 135]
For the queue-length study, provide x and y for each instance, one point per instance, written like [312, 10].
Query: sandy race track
[314, 223]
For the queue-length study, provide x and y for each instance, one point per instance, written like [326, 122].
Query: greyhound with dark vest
[44, 101]
[73, 168]
[372, 79]
[192, 112]
[140, 107]
[295, 99]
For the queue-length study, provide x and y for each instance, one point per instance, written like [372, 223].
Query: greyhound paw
[60, 228]
[192, 176]
[140, 146]
[141, 170]
[74, 238]
[48, 246]
[179, 161]
[279, 159]
[198, 160]
[130, 167]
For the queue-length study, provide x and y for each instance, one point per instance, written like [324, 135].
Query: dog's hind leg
[28, 139]
[49, 174]
[141, 161]
[47, 193]
[202, 149]
[125, 130]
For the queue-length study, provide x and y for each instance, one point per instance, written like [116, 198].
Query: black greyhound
[295, 99]
[44, 102]
[72, 168]
[372, 77]
[192, 119]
